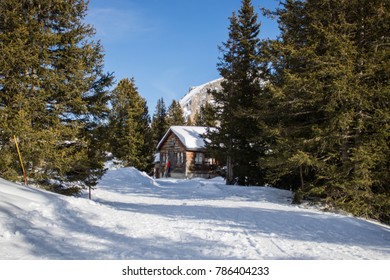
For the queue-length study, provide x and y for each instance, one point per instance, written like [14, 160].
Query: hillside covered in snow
[197, 97]
[133, 216]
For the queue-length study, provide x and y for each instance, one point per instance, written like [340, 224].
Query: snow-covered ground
[133, 216]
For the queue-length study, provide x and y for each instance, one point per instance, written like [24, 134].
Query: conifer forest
[308, 111]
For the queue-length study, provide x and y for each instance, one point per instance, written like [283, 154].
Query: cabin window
[179, 158]
[209, 160]
[199, 158]
[163, 157]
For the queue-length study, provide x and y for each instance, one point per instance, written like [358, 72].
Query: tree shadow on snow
[289, 224]
[71, 234]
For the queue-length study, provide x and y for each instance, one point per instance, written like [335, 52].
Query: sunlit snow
[133, 216]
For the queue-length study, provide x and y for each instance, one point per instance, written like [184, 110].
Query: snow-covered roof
[190, 136]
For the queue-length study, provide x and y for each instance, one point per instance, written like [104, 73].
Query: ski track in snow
[133, 216]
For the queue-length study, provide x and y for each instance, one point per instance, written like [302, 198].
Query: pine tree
[236, 137]
[330, 84]
[159, 122]
[175, 114]
[129, 126]
[53, 92]
[206, 116]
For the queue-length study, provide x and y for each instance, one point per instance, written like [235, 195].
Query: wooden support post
[21, 161]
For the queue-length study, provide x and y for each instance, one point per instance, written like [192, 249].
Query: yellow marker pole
[21, 161]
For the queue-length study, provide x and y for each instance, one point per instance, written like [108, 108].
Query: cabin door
[172, 159]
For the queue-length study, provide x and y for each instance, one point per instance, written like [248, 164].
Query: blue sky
[166, 45]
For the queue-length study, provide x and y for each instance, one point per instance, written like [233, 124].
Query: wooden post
[21, 161]
[229, 172]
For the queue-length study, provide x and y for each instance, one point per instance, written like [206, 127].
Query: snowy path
[134, 217]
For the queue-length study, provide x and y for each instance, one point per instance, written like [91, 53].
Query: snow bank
[136, 217]
[120, 179]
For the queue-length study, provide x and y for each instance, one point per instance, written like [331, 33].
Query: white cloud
[113, 24]
[168, 82]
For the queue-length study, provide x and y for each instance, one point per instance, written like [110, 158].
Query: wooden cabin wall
[171, 148]
[174, 150]
[194, 169]
[190, 161]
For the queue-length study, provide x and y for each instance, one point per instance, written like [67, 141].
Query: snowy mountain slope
[136, 217]
[198, 96]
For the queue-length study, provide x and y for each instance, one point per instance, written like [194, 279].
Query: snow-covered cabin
[184, 148]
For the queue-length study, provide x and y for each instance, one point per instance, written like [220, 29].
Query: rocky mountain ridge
[198, 96]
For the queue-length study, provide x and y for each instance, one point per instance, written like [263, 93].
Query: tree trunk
[229, 172]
